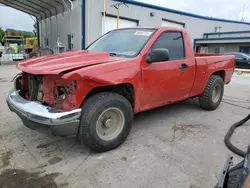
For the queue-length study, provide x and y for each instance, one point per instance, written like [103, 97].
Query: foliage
[35, 29]
[27, 34]
[1, 34]
[9, 29]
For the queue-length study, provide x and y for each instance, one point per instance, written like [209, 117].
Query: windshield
[125, 42]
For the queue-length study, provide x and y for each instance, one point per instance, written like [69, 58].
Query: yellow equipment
[30, 43]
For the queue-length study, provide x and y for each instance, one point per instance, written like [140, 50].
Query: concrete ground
[3, 63]
[179, 145]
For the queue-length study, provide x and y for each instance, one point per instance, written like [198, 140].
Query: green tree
[35, 29]
[27, 34]
[9, 29]
[2, 33]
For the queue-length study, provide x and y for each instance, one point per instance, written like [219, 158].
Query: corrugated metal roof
[40, 9]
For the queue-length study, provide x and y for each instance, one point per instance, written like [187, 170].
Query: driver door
[167, 81]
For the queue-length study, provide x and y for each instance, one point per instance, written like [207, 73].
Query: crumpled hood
[67, 61]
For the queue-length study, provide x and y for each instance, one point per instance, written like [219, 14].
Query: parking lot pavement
[179, 145]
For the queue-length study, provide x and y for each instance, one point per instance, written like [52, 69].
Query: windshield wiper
[112, 54]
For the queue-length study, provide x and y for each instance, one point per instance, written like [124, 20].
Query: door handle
[184, 66]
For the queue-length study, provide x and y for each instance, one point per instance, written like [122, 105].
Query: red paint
[50, 84]
[24, 82]
[155, 84]
[55, 64]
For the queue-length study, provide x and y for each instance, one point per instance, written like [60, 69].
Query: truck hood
[64, 62]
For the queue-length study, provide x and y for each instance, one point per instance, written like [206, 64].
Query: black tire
[92, 109]
[206, 99]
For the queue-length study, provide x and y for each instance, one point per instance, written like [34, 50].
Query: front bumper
[44, 118]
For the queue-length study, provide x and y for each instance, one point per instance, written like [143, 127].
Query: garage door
[110, 24]
[169, 23]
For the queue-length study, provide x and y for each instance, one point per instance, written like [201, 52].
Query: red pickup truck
[93, 94]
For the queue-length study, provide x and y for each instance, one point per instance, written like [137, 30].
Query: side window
[173, 41]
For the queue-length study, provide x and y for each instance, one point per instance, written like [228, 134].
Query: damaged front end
[50, 90]
[46, 102]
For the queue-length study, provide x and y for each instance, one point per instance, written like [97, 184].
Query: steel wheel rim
[110, 124]
[216, 93]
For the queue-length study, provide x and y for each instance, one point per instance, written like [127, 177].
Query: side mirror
[158, 55]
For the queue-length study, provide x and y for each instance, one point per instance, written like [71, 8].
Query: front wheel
[213, 93]
[106, 121]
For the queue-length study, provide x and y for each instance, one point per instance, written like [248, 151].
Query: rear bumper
[43, 118]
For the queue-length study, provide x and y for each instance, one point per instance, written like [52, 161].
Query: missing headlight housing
[61, 93]
[18, 82]
[40, 93]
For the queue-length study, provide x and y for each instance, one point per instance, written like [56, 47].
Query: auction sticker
[143, 33]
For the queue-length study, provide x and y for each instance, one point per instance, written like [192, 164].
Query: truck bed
[206, 64]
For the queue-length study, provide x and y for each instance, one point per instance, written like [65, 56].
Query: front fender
[92, 77]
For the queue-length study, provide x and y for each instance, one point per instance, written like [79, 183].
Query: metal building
[143, 14]
[77, 23]
[220, 42]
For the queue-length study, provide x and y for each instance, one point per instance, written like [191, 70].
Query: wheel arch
[125, 89]
[220, 73]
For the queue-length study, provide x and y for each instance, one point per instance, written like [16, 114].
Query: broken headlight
[61, 93]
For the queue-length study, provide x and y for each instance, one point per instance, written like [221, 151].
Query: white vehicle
[9, 55]
[2, 49]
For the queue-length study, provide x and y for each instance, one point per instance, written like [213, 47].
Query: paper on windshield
[143, 33]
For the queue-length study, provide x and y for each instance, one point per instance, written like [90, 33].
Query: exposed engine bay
[50, 90]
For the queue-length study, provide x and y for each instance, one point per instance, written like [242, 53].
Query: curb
[241, 71]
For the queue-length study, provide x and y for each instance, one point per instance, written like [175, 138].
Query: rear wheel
[106, 121]
[213, 93]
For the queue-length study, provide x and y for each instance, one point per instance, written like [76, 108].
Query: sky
[11, 18]
[213, 8]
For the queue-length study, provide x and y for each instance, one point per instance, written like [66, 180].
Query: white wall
[62, 25]
[195, 26]
[110, 23]
[168, 23]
